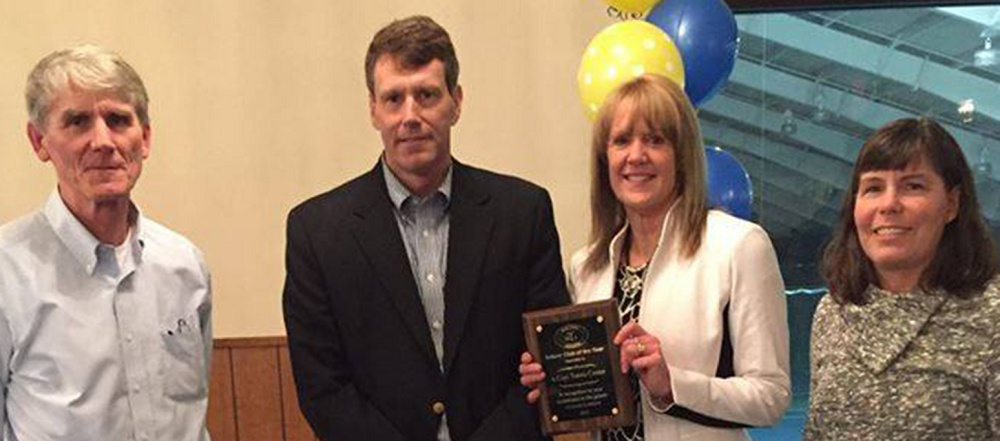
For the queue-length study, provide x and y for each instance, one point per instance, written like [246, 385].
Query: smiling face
[95, 143]
[414, 111]
[641, 165]
[900, 216]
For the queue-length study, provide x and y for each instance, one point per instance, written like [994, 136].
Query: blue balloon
[729, 186]
[705, 34]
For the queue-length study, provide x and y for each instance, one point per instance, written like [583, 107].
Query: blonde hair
[663, 106]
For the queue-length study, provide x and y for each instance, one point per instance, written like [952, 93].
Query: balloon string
[614, 12]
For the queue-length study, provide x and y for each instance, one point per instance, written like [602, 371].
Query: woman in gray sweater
[905, 345]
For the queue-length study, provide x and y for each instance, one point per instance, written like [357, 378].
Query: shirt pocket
[184, 359]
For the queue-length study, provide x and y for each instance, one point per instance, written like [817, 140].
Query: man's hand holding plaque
[579, 372]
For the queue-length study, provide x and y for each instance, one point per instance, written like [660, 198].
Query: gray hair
[87, 67]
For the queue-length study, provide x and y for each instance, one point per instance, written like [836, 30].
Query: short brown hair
[965, 259]
[662, 106]
[413, 42]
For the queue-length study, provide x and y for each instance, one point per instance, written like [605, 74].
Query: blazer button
[438, 408]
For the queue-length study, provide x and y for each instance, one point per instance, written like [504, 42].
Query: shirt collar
[79, 240]
[398, 192]
[615, 248]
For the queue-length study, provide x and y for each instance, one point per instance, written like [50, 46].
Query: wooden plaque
[584, 388]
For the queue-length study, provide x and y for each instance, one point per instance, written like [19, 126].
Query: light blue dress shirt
[424, 225]
[97, 344]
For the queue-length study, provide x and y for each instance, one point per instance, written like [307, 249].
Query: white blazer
[682, 304]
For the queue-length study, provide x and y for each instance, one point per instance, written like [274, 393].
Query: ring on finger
[640, 347]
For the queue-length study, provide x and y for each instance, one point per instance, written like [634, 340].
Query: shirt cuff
[662, 405]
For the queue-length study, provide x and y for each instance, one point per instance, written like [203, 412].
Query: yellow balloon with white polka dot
[632, 6]
[623, 51]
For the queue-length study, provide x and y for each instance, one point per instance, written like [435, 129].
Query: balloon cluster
[692, 42]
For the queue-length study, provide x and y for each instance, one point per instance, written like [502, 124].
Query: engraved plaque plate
[584, 388]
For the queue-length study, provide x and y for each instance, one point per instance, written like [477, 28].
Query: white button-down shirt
[98, 343]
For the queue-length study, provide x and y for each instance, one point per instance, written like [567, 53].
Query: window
[808, 88]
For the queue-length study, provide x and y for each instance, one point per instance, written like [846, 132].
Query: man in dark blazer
[405, 286]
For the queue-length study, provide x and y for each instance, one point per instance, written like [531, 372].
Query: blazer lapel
[469, 237]
[378, 237]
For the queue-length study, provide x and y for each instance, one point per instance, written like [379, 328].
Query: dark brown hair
[413, 42]
[965, 259]
[662, 106]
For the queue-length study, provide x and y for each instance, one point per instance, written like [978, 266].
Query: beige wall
[257, 105]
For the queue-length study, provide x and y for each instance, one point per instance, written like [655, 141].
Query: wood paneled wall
[252, 394]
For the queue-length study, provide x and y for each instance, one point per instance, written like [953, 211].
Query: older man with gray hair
[105, 329]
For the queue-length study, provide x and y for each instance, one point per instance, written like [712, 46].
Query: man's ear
[36, 136]
[457, 96]
[147, 138]
[371, 110]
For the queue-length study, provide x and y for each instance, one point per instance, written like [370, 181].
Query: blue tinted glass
[809, 87]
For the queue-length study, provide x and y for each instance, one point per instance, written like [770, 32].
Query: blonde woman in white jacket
[705, 336]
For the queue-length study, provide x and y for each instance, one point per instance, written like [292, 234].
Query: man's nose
[411, 113]
[100, 135]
